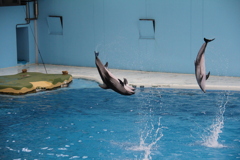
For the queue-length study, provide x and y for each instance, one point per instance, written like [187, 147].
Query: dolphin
[200, 72]
[110, 81]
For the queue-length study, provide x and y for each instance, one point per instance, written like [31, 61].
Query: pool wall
[10, 16]
[113, 28]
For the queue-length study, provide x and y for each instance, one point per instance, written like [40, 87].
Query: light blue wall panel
[146, 29]
[9, 18]
[172, 34]
[112, 28]
[224, 53]
[54, 25]
[122, 33]
[76, 43]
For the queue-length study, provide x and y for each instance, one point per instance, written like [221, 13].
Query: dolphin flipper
[103, 86]
[201, 78]
[207, 76]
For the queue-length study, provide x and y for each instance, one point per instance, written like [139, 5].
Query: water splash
[150, 135]
[211, 140]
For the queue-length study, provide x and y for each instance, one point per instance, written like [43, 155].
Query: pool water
[87, 122]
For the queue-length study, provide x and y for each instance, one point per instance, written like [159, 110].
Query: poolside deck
[137, 78]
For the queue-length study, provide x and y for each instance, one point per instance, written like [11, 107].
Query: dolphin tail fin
[96, 53]
[208, 40]
[207, 76]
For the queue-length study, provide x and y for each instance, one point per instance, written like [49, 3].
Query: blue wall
[112, 28]
[9, 18]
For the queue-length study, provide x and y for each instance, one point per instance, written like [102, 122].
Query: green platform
[22, 83]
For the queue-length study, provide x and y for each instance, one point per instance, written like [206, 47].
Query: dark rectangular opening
[146, 28]
[22, 45]
[55, 25]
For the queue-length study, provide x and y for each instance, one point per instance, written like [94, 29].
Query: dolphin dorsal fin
[125, 81]
[121, 82]
[106, 65]
[207, 76]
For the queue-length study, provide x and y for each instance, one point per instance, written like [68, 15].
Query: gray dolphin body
[110, 81]
[200, 72]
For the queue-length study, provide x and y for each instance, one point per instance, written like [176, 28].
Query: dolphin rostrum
[200, 72]
[110, 81]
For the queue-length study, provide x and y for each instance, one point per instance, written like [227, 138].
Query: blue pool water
[87, 122]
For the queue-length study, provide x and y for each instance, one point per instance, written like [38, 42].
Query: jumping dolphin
[110, 81]
[200, 72]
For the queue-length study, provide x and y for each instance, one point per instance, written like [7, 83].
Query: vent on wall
[55, 25]
[146, 28]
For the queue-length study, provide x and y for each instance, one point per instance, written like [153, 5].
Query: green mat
[16, 83]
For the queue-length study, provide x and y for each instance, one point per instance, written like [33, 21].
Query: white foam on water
[75, 157]
[62, 155]
[152, 135]
[10, 149]
[26, 150]
[211, 140]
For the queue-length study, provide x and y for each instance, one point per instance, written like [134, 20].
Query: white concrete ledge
[136, 78]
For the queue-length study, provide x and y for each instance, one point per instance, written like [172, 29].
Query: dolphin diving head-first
[110, 81]
[200, 72]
